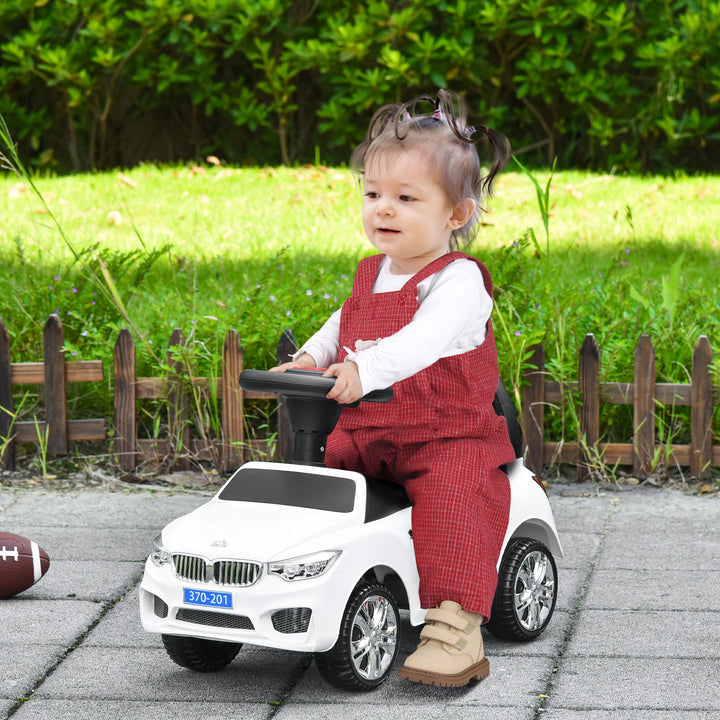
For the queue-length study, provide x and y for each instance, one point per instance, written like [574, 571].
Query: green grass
[209, 249]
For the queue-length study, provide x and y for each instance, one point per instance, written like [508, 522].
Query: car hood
[252, 531]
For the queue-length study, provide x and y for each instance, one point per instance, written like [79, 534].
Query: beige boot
[450, 653]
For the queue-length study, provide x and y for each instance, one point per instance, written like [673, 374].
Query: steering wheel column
[312, 416]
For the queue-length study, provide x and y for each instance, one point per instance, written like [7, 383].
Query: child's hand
[347, 388]
[305, 361]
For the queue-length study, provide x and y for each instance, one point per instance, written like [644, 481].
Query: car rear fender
[536, 529]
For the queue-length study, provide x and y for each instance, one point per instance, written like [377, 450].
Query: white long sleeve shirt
[451, 319]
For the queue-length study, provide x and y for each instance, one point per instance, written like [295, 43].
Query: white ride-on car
[302, 557]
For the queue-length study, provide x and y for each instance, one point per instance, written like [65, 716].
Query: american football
[22, 563]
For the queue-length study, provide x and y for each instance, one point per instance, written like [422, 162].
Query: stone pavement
[634, 635]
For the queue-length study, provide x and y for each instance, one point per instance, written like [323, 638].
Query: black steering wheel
[302, 383]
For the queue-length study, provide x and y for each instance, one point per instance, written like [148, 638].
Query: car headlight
[304, 568]
[160, 556]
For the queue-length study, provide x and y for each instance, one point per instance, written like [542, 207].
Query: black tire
[199, 654]
[368, 645]
[526, 592]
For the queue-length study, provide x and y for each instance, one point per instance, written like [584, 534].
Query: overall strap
[365, 274]
[444, 261]
[368, 269]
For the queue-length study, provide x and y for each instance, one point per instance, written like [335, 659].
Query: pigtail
[449, 108]
[501, 153]
[385, 117]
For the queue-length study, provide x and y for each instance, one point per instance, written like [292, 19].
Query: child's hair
[448, 139]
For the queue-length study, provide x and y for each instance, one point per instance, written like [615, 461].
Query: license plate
[207, 598]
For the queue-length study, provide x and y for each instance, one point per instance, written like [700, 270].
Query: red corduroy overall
[440, 438]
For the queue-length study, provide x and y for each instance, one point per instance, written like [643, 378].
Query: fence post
[178, 406]
[7, 443]
[533, 409]
[124, 395]
[285, 446]
[644, 408]
[55, 396]
[589, 379]
[701, 407]
[233, 431]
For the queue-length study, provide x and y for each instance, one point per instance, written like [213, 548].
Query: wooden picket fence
[644, 394]
[177, 447]
[55, 430]
[226, 452]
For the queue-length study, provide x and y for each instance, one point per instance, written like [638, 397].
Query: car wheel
[199, 654]
[367, 647]
[526, 591]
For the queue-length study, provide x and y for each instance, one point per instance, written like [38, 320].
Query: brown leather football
[22, 563]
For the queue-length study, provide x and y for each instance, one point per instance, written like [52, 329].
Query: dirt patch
[203, 482]
[76, 475]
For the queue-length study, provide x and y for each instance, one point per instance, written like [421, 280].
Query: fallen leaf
[127, 180]
[574, 192]
[17, 190]
[213, 160]
[706, 488]
[114, 217]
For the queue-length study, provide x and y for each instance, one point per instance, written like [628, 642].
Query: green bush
[633, 85]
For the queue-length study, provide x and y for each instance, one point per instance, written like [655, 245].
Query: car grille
[223, 572]
[160, 607]
[215, 619]
[292, 620]
[190, 567]
[232, 572]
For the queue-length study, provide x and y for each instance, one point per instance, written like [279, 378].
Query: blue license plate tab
[207, 598]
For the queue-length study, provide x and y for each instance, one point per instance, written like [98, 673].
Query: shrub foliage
[631, 84]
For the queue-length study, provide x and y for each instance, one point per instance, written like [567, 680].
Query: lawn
[210, 248]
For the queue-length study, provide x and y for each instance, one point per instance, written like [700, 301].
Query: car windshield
[291, 488]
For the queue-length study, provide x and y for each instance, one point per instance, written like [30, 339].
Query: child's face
[406, 214]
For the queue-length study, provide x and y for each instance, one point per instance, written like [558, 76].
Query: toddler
[419, 319]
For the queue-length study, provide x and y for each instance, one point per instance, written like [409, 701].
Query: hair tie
[406, 116]
[469, 131]
[438, 115]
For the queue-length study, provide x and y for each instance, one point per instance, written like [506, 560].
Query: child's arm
[320, 350]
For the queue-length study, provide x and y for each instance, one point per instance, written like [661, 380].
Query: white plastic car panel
[266, 532]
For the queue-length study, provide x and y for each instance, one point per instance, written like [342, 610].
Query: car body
[297, 556]
[278, 519]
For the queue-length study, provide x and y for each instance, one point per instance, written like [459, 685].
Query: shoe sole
[474, 672]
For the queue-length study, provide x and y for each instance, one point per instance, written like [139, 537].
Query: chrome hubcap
[374, 637]
[534, 591]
